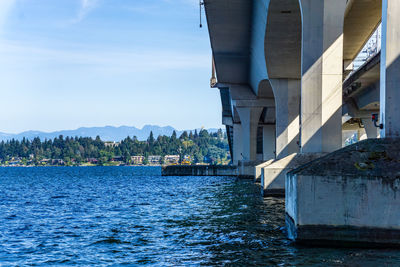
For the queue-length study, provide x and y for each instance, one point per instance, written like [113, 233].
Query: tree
[173, 136]
[184, 136]
[80, 149]
[127, 157]
[150, 140]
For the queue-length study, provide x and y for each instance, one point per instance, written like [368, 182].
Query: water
[132, 215]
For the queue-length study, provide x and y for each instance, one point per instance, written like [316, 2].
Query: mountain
[107, 133]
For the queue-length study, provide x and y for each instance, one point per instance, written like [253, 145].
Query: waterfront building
[137, 160]
[92, 160]
[154, 160]
[171, 159]
[111, 144]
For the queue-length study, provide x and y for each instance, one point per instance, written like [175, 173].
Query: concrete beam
[229, 26]
[258, 68]
[283, 40]
[361, 19]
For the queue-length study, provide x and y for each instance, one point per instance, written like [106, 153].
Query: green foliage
[202, 147]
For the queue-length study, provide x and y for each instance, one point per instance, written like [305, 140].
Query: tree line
[201, 146]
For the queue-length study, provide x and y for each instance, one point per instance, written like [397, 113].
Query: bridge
[289, 93]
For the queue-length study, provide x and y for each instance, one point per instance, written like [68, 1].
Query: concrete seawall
[199, 170]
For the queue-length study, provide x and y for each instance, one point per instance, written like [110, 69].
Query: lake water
[132, 215]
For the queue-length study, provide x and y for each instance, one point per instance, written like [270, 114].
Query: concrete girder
[229, 26]
[368, 99]
[361, 90]
[362, 17]
[226, 106]
[282, 41]
[258, 68]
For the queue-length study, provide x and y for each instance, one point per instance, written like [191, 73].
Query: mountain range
[107, 133]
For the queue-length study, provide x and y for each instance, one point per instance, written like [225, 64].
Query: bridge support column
[249, 118]
[370, 129]
[237, 143]
[287, 97]
[322, 68]
[269, 142]
[390, 69]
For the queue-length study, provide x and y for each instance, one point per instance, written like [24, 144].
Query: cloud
[5, 7]
[86, 6]
[18, 55]
[186, 2]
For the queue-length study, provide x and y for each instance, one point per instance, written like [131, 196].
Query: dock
[199, 170]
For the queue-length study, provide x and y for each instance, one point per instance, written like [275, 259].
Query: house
[171, 159]
[44, 161]
[111, 144]
[118, 158]
[187, 160]
[57, 162]
[93, 160]
[137, 160]
[154, 160]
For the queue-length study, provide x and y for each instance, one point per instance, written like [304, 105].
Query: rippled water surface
[132, 215]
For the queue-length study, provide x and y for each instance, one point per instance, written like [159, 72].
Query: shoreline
[34, 166]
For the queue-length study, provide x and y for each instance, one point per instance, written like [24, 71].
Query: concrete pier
[273, 175]
[349, 196]
[199, 170]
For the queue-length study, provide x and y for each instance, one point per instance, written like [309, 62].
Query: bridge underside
[280, 66]
[257, 48]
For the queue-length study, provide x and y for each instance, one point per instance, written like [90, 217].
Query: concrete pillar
[269, 142]
[237, 143]
[287, 99]
[370, 129]
[249, 118]
[322, 67]
[390, 69]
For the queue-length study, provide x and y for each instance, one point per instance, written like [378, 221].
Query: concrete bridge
[288, 93]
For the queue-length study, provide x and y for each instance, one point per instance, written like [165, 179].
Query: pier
[199, 170]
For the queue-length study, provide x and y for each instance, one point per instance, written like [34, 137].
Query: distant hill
[107, 133]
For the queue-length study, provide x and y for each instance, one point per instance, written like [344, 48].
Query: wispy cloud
[150, 7]
[86, 6]
[103, 59]
[5, 7]
[187, 2]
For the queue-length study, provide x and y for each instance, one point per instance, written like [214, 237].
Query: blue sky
[71, 63]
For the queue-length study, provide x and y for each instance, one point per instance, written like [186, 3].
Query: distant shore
[91, 165]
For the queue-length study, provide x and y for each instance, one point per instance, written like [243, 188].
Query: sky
[65, 64]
